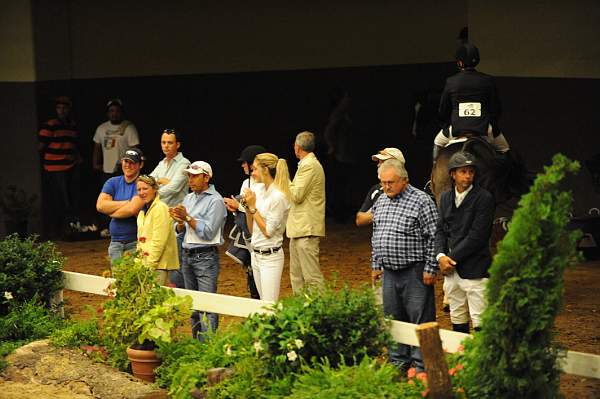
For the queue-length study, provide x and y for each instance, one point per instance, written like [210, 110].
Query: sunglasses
[149, 180]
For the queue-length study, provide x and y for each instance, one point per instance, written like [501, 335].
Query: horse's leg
[440, 179]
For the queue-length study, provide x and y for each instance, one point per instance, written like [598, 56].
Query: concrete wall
[538, 39]
[113, 38]
[18, 102]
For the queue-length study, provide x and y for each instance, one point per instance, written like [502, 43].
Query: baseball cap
[114, 101]
[249, 153]
[63, 100]
[199, 167]
[389, 153]
[134, 155]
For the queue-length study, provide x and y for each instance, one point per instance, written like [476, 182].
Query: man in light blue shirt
[173, 183]
[170, 171]
[200, 222]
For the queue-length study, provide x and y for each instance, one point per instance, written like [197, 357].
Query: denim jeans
[200, 273]
[116, 249]
[176, 276]
[407, 298]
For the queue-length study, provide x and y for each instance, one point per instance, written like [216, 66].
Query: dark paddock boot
[463, 328]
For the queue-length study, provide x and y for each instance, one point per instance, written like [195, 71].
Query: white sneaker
[105, 233]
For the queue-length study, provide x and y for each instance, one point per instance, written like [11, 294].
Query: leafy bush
[6, 348]
[141, 311]
[76, 333]
[514, 355]
[337, 327]
[174, 355]
[27, 321]
[340, 326]
[365, 380]
[29, 268]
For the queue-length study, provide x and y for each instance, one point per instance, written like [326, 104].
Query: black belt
[268, 251]
[198, 250]
[124, 241]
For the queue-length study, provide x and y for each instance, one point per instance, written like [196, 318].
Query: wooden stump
[435, 361]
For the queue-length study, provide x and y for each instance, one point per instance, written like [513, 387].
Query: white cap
[199, 167]
[389, 153]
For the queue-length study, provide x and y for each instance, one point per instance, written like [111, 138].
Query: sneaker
[105, 233]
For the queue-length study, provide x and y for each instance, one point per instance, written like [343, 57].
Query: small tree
[514, 355]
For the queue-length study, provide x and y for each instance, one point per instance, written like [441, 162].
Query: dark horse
[503, 175]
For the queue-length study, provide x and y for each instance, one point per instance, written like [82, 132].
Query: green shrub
[174, 355]
[340, 326]
[365, 380]
[29, 268]
[514, 356]
[76, 333]
[27, 321]
[6, 348]
[337, 327]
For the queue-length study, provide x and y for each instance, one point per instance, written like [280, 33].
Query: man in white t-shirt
[112, 139]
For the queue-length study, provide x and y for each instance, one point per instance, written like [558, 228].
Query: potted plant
[140, 315]
[17, 207]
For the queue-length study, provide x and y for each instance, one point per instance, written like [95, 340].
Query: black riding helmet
[460, 159]
[468, 54]
[249, 153]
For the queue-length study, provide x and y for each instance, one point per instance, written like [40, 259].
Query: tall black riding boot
[463, 328]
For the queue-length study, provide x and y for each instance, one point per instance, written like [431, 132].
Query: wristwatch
[252, 211]
[188, 218]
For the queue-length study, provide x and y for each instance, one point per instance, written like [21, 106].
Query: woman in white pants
[267, 209]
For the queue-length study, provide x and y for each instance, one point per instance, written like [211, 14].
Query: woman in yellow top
[156, 235]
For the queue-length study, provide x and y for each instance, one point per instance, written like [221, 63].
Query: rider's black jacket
[464, 233]
[477, 93]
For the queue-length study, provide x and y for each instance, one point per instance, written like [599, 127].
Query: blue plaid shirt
[404, 231]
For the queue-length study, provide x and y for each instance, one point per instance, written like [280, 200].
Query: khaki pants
[466, 297]
[304, 264]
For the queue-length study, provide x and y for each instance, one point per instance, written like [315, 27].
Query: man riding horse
[469, 105]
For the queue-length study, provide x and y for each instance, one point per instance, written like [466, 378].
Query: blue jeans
[176, 276]
[200, 273]
[407, 298]
[116, 249]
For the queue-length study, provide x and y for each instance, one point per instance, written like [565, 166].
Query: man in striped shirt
[404, 225]
[58, 146]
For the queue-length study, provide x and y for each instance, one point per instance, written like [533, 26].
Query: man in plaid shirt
[404, 225]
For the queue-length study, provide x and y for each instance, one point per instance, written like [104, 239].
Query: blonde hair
[278, 169]
[149, 180]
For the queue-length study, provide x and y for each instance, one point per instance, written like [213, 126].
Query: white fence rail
[578, 363]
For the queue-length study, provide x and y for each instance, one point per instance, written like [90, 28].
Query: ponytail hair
[278, 169]
[282, 178]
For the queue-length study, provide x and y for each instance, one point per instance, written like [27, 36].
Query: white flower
[299, 343]
[258, 346]
[292, 356]
[8, 295]
[280, 306]
[227, 348]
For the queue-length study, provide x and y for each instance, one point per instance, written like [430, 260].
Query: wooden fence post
[435, 361]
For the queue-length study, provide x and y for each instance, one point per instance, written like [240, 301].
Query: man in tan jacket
[306, 220]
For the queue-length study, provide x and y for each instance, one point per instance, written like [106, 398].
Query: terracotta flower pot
[143, 363]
